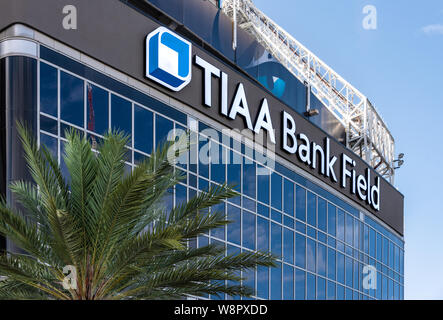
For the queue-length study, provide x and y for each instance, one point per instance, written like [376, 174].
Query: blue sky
[399, 68]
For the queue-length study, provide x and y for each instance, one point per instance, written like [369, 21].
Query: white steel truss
[366, 132]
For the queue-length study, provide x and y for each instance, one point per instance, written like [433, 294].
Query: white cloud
[433, 29]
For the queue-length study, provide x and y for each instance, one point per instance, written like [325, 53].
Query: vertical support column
[2, 138]
[366, 151]
[18, 102]
[347, 120]
[234, 28]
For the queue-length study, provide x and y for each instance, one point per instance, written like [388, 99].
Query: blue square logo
[168, 59]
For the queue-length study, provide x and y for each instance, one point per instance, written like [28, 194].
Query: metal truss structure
[366, 132]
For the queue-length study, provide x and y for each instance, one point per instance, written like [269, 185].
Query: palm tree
[110, 230]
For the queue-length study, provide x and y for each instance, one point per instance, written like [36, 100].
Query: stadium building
[313, 160]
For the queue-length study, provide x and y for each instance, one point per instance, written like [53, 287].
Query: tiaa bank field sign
[168, 63]
[168, 59]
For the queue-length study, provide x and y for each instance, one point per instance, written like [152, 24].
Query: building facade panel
[324, 236]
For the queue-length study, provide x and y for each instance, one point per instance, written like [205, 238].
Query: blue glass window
[218, 166]
[276, 282]
[379, 247]
[71, 99]
[332, 217]
[220, 231]
[262, 234]
[331, 290]
[249, 179]
[263, 210]
[311, 255]
[321, 212]
[312, 232]
[289, 222]
[331, 264]
[356, 235]
[234, 226]
[276, 215]
[276, 235]
[391, 255]
[248, 204]
[203, 241]
[288, 282]
[49, 125]
[366, 239]
[321, 288]
[372, 240]
[349, 230]
[402, 262]
[288, 245]
[300, 194]
[163, 127]
[121, 115]
[50, 143]
[263, 187]
[385, 288]
[356, 276]
[263, 282]
[300, 284]
[203, 184]
[203, 156]
[340, 225]
[396, 259]
[340, 292]
[300, 251]
[234, 175]
[349, 294]
[349, 270]
[97, 109]
[143, 129]
[385, 250]
[249, 281]
[193, 151]
[48, 89]
[289, 197]
[168, 200]
[249, 230]
[312, 209]
[276, 191]
[300, 227]
[310, 287]
[391, 289]
[63, 166]
[180, 194]
[321, 237]
[340, 268]
[321, 259]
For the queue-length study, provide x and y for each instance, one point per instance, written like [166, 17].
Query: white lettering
[210, 70]
[264, 121]
[240, 106]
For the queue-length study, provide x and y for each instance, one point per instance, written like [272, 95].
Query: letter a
[70, 20]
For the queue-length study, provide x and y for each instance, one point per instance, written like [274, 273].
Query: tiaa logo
[168, 59]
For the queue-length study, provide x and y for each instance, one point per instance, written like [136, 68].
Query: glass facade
[324, 244]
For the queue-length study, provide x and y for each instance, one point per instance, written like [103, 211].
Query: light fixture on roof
[399, 161]
[312, 112]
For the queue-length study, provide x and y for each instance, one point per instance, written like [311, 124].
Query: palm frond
[113, 227]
